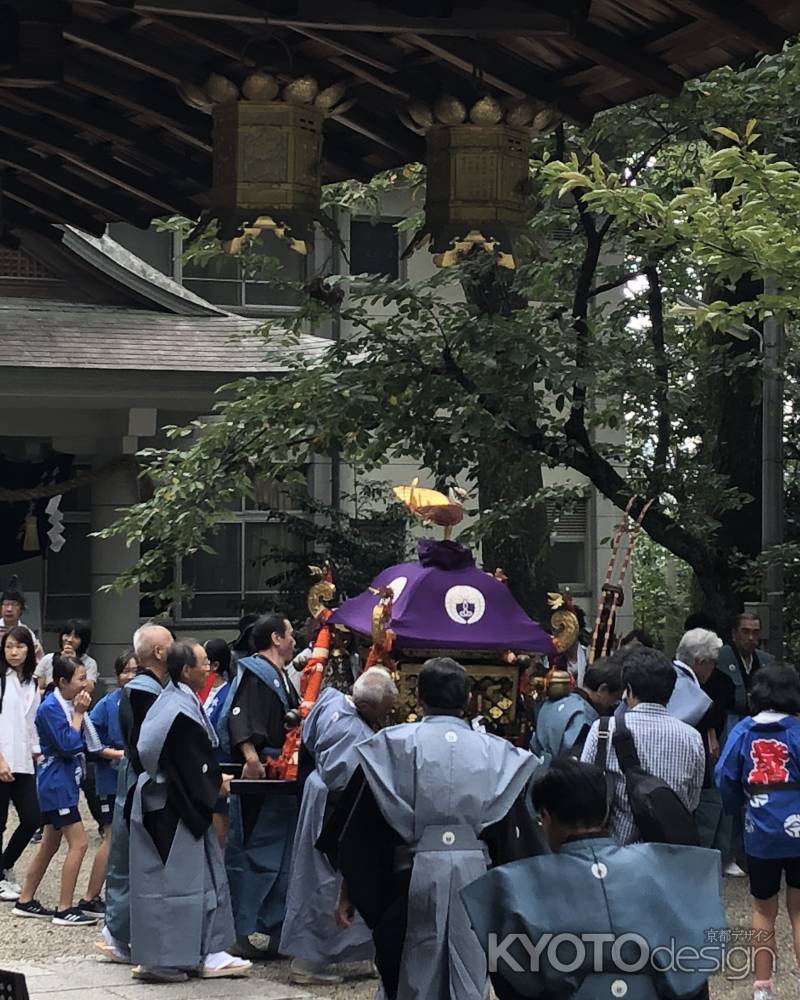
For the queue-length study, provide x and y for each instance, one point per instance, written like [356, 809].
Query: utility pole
[772, 506]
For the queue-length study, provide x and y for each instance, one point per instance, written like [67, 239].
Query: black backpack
[657, 810]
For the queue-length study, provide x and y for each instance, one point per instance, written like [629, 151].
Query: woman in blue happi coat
[105, 718]
[760, 766]
[65, 734]
[223, 668]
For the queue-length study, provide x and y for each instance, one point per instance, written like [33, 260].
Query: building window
[570, 544]
[68, 574]
[223, 282]
[250, 558]
[154, 247]
[375, 248]
[220, 282]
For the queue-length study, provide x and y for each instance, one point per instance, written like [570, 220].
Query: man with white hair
[695, 659]
[698, 652]
[150, 643]
[335, 726]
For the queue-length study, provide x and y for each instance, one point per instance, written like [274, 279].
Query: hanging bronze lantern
[475, 193]
[477, 176]
[267, 171]
[267, 158]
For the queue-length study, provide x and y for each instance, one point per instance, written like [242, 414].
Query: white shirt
[37, 646]
[578, 668]
[44, 669]
[19, 740]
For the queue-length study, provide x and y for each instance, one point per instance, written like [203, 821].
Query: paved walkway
[87, 979]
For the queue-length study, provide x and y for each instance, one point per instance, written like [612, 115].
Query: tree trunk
[732, 447]
[523, 551]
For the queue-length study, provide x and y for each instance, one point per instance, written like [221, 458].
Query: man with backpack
[658, 752]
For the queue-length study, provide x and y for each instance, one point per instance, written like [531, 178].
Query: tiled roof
[41, 333]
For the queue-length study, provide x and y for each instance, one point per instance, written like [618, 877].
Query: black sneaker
[32, 909]
[37, 837]
[95, 905]
[73, 918]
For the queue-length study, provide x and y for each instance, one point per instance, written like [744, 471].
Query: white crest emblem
[792, 825]
[756, 801]
[464, 605]
[397, 586]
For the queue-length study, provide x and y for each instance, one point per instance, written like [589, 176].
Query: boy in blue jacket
[62, 726]
[761, 764]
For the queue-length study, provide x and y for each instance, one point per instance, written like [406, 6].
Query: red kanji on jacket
[769, 762]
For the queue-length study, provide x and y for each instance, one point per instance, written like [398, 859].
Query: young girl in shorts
[64, 735]
[760, 766]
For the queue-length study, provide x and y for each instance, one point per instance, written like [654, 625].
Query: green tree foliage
[604, 367]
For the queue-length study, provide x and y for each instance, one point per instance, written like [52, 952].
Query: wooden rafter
[125, 47]
[139, 144]
[362, 15]
[399, 140]
[190, 127]
[472, 21]
[627, 58]
[53, 209]
[362, 50]
[466, 59]
[739, 18]
[106, 202]
[41, 133]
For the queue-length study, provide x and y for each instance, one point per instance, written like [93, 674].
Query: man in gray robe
[150, 643]
[181, 917]
[331, 733]
[438, 786]
[585, 922]
[563, 724]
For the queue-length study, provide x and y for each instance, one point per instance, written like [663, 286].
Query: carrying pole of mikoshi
[613, 589]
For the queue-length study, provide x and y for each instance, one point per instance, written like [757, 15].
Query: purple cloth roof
[439, 607]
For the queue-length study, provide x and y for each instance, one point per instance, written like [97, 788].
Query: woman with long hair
[19, 748]
[62, 726]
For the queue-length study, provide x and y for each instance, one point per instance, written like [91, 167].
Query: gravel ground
[31, 940]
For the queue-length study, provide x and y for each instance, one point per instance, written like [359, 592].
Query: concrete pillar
[114, 616]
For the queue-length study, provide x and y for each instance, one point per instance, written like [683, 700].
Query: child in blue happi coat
[105, 718]
[761, 765]
[65, 733]
[223, 668]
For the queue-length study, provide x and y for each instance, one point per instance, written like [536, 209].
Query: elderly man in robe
[181, 919]
[251, 727]
[150, 643]
[331, 733]
[433, 794]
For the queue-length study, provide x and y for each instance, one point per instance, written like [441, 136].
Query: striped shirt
[667, 748]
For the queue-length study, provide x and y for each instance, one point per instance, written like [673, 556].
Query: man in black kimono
[252, 728]
[150, 643]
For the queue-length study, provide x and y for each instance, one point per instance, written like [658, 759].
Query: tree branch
[655, 306]
[609, 286]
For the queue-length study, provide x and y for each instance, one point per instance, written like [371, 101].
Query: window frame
[241, 307]
[579, 588]
[50, 623]
[402, 240]
[241, 519]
